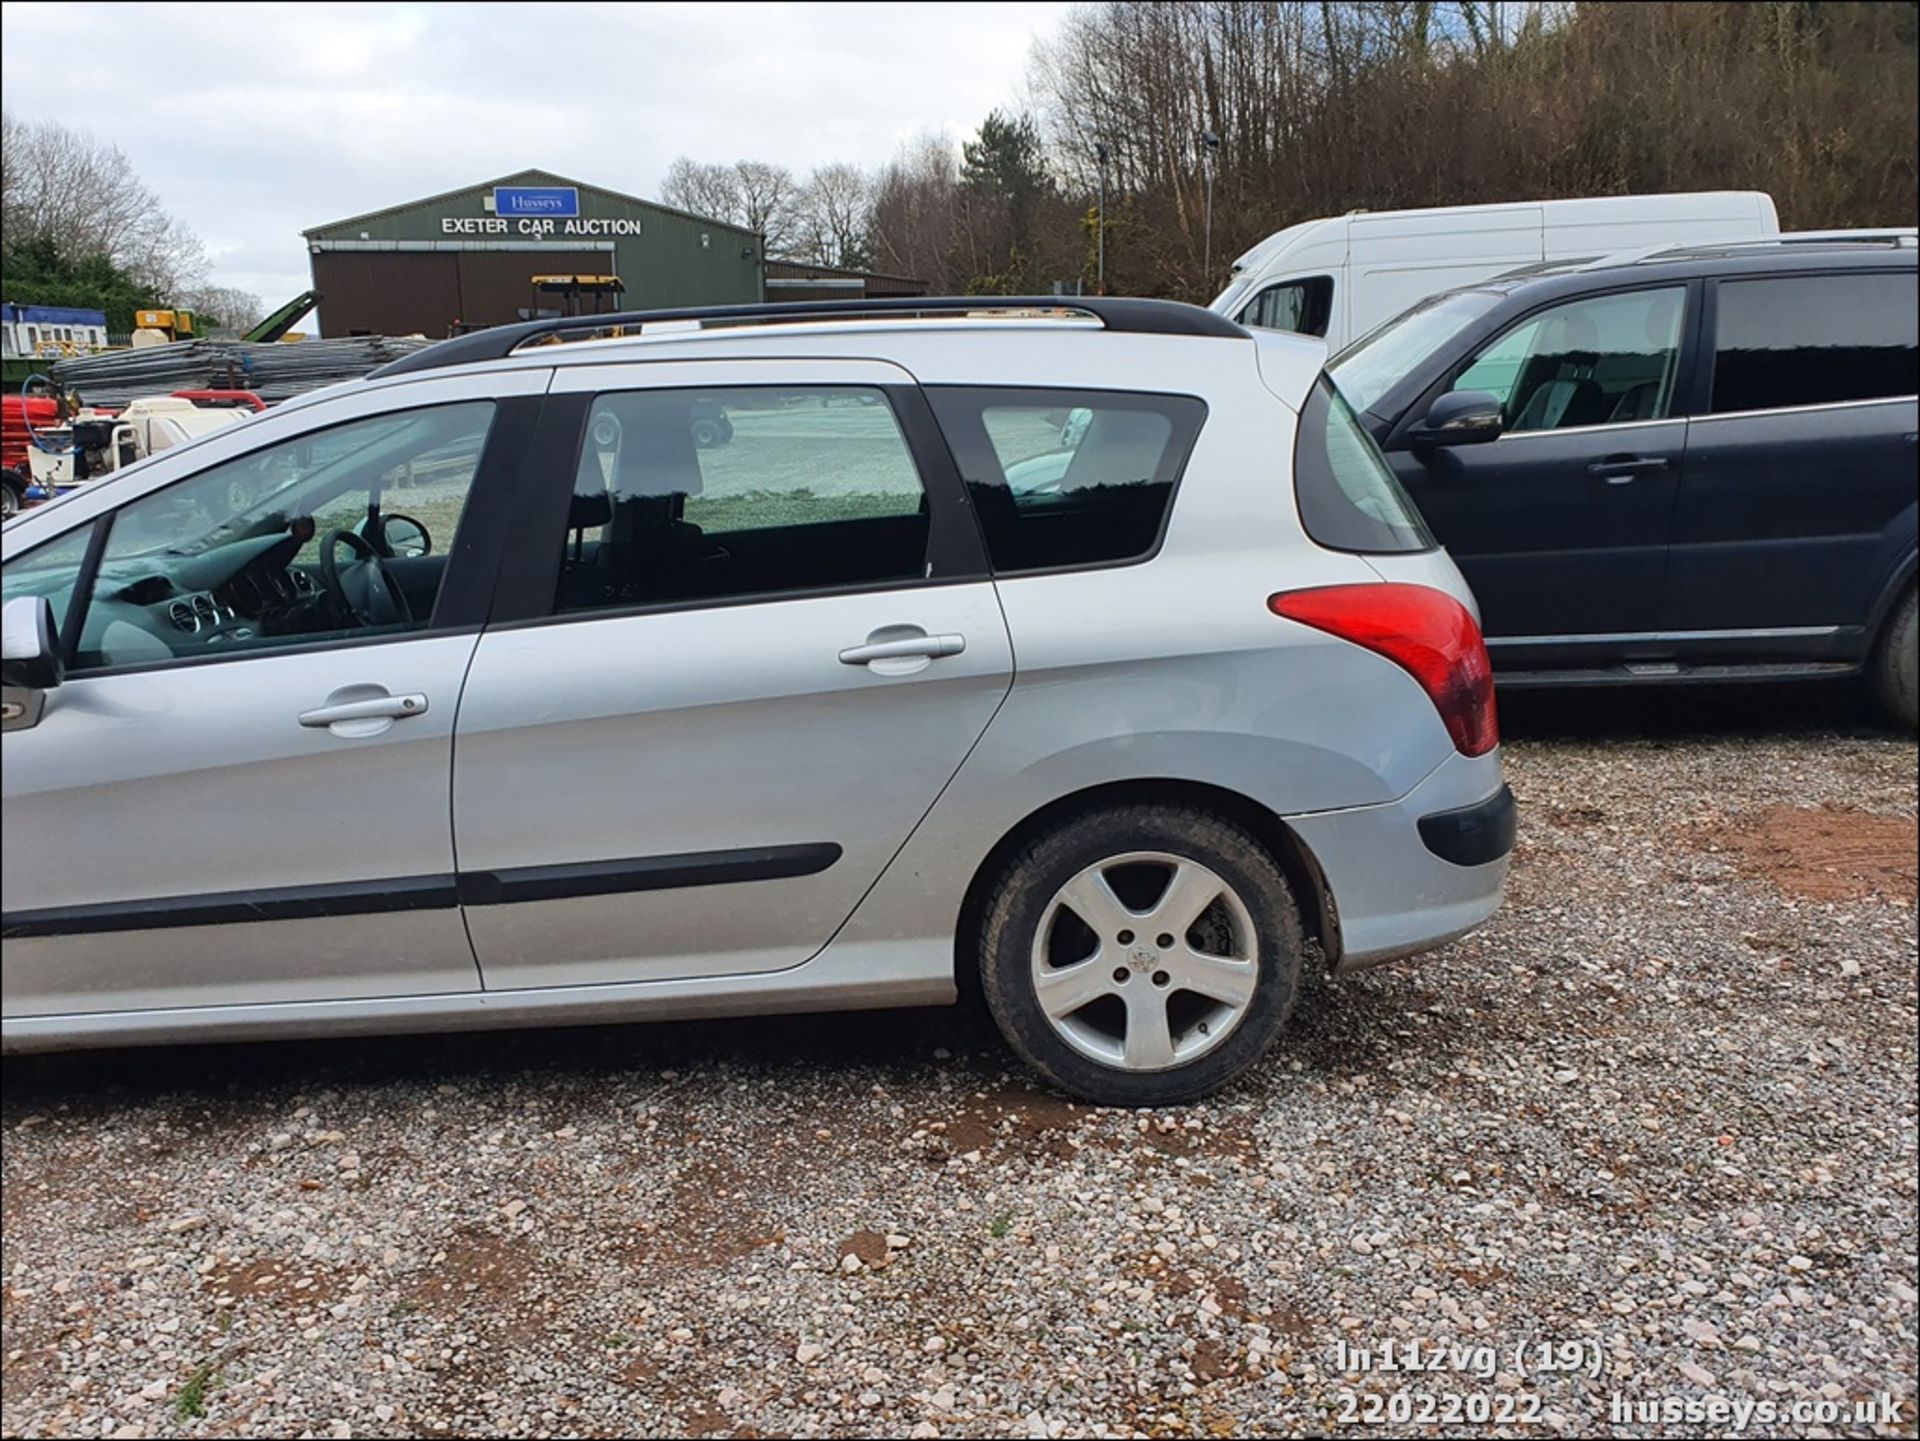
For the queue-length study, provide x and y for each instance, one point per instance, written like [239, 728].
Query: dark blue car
[1696, 465]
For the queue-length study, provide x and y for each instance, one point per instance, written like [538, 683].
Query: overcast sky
[255, 122]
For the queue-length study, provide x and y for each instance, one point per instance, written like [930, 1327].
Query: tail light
[1425, 632]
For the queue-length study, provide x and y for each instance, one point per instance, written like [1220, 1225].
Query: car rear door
[1561, 525]
[230, 800]
[747, 639]
[1799, 491]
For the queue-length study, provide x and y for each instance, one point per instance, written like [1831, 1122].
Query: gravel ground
[1661, 1112]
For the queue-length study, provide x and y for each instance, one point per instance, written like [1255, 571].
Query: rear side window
[688, 496]
[1349, 498]
[1068, 478]
[1814, 340]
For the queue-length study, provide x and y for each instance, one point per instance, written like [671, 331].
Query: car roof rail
[1128, 314]
[1897, 237]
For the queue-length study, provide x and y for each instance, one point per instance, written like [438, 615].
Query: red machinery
[16, 413]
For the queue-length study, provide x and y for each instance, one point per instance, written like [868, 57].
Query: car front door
[239, 792]
[755, 639]
[1561, 525]
[1799, 495]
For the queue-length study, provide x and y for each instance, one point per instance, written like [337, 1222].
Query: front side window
[337, 535]
[1349, 496]
[1301, 306]
[1602, 360]
[1814, 340]
[684, 496]
[51, 569]
[1068, 478]
[1596, 361]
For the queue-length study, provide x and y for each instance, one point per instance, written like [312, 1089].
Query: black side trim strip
[649, 873]
[1476, 834]
[426, 893]
[226, 908]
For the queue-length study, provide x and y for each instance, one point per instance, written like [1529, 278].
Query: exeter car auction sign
[534, 210]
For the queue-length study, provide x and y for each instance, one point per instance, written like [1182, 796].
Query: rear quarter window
[1066, 478]
[1349, 497]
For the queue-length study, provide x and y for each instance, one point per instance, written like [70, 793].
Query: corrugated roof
[789, 269]
[521, 177]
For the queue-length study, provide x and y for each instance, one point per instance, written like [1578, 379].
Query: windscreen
[1375, 363]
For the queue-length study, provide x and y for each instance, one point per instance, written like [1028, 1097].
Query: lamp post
[1210, 142]
[1101, 154]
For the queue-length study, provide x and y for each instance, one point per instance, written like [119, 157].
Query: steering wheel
[363, 591]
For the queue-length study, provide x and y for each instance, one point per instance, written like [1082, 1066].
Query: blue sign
[559, 200]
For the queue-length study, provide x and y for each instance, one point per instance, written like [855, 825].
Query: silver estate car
[708, 663]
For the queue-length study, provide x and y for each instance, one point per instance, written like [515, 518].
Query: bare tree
[767, 193]
[913, 219]
[224, 306]
[1324, 106]
[753, 193]
[709, 190]
[62, 186]
[830, 217]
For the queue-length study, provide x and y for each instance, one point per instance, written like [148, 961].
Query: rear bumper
[1417, 872]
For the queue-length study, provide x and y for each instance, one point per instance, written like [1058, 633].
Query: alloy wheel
[1145, 961]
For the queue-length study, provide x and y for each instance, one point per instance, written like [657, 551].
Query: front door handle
[363, 715]
[1620, 469]
[931, 647]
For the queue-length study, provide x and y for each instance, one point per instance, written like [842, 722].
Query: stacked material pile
[274, 372]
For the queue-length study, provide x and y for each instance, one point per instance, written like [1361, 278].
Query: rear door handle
[930, 646]
[374, 708]
[1619, 469]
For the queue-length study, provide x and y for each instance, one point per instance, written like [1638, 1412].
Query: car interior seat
[648, 546]
[1569, 395]
[1647, 399]
[1119, 447]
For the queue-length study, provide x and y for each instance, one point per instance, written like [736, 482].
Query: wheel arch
[1898, 582]
[1318, 914]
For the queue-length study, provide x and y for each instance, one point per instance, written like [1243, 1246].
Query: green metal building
[468, 258]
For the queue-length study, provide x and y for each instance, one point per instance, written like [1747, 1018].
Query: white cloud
[256, 122]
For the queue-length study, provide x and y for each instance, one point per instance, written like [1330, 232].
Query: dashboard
[165, 605]
[252, 596]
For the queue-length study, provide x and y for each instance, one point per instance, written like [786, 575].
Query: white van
[1340, 277]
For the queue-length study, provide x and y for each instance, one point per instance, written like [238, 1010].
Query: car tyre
[1894, 667]
[1245, 947]
[13, 495]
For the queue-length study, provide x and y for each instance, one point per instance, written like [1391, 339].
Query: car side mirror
[406, 537]
[29, 647]
[1460, 417]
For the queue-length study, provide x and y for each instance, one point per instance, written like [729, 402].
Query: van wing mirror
[29, 646]
[1460, 417]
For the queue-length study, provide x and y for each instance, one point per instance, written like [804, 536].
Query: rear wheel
[1141, 955]
[1895, 662]
[13, 494]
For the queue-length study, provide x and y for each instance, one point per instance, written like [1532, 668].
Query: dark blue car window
[1814, 340]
